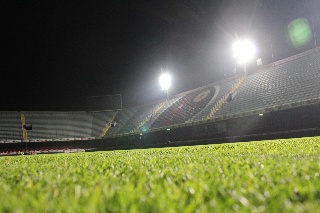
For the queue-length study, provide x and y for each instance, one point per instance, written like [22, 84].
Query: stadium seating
[10, 126]
[187, 106]
[66, 124]
[99, 121]
[139, 119]
[222, 90]
[59, 124]
[287, 83]
[136, 119]
[122, 118]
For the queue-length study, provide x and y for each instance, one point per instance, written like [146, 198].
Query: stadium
[245, 143]
[279, 100]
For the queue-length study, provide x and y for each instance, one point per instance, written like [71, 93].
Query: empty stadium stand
[122, 118]
[139, 121]
[10, 126]
[59, 124]
[187, 106]
[288, 83]
[52, 125]
[240, 105]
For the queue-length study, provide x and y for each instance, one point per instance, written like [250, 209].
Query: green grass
[266, 176]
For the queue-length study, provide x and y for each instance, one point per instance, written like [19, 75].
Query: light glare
[165, 81]
[244, 51]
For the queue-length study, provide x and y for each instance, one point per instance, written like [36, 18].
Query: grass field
[265, 176]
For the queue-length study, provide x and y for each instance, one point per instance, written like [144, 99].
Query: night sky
[55, 54]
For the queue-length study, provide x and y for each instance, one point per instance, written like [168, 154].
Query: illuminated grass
[267, 176]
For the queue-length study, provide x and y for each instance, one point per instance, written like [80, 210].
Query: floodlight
[244, 51]
[165, 81]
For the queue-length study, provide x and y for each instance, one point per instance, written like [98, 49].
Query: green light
[144, 128]
[299, 32]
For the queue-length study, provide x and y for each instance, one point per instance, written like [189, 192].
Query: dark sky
[56, 54]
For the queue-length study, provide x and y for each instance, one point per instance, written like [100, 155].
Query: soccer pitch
[265, 176]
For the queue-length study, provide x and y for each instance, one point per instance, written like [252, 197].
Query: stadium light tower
[244, 51]
[165, 82]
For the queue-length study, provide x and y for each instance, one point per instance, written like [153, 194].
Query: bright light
[244, 51]
[165, 81]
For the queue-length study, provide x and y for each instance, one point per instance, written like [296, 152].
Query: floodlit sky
[57, 54]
